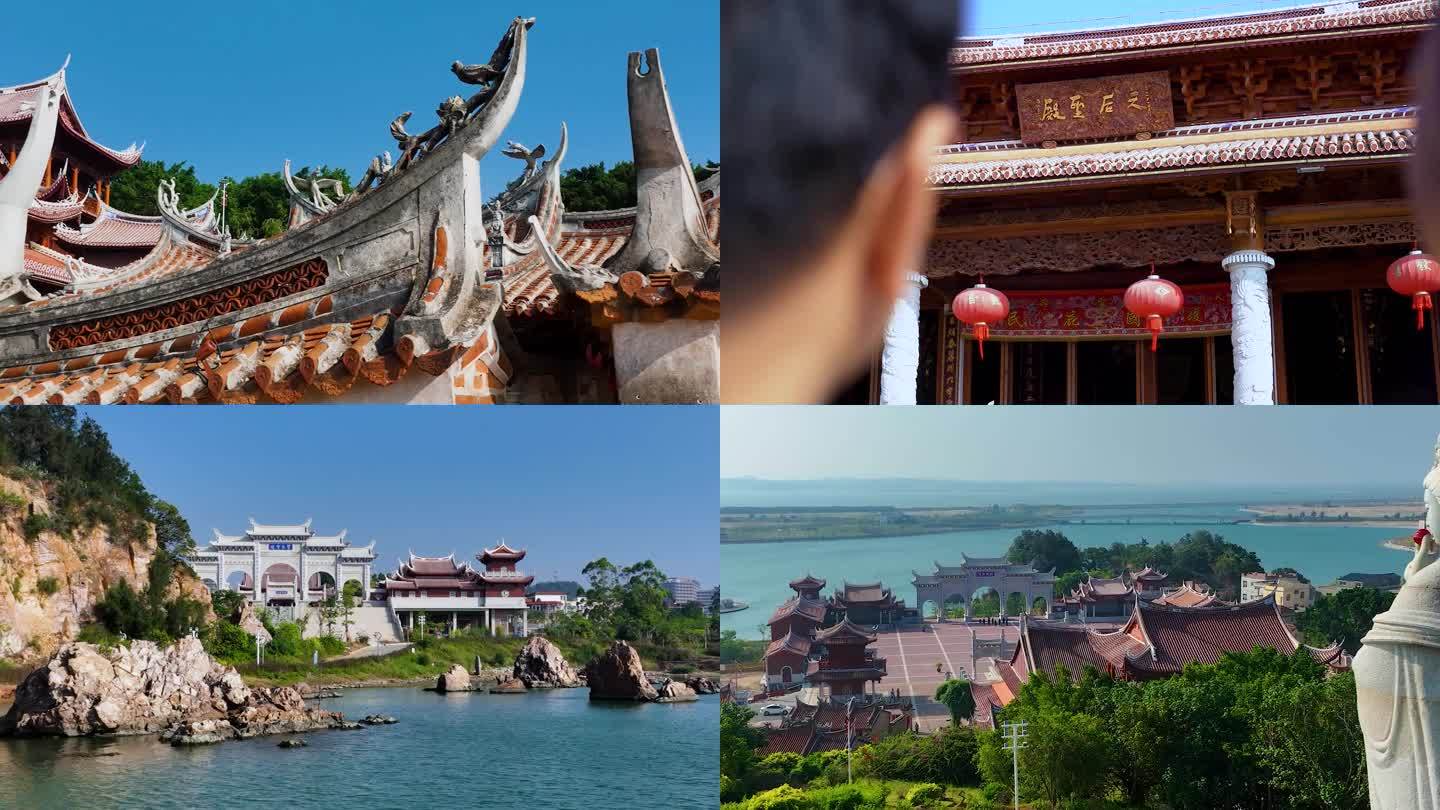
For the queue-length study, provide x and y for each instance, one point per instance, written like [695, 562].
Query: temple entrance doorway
[955, 606]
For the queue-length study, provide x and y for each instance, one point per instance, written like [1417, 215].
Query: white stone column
[255, 595]
[1251, 337]
[900, 359]
[220, 583]
[304, 582]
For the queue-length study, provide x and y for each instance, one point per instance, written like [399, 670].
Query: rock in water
[508, 686]
[540, 664]
[455, 679]
[617, 674]
[142, 689]
[702, 685]
[675, 692]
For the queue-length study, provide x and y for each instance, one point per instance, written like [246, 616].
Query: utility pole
[1015, 740]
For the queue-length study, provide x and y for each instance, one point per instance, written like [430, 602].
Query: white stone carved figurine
[1397, 679]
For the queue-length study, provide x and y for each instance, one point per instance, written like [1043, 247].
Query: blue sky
[569, 484]
[1006, 17]
[1340, 446]
[237, 88]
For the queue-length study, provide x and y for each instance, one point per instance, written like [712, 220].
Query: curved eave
[1315, 23]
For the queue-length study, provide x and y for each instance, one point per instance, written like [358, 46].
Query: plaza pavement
[912, 653]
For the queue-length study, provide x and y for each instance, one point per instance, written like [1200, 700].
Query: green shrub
[330, 645]
[228, 642]
[97, 634]
[782, 761]
[925, 794]
[10, 502]
[423, 659]
[35, 524]
[784, 797]
[682, 669]
[286, 640]
[47, 585]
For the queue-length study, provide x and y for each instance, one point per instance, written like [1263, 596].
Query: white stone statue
[1397, 679]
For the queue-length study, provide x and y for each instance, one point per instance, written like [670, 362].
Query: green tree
[1046, 548]
[135, 190]
[225, 602]
[955, 695]
[1345, 616]
[738, 740]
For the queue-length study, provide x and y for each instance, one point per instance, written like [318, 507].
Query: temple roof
[807, 581]
[1101, 588]
[1321, 138]
[431, 566]
[812, 609]
[1187, 595]
[846, 632]
[1313, 21]
[792, 642]
[115, 228]
[501, 552]
[853, 594]
[18, 102]
[1148, 573]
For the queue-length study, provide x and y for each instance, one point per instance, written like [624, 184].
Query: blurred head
[832, 110]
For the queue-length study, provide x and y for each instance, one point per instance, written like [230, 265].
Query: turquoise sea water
[758, 572]
[547, 749]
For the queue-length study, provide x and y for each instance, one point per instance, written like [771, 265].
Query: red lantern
[1154, 299]
[1416, 275]
[981, 306]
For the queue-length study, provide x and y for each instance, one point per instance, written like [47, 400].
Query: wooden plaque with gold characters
[1133, 104]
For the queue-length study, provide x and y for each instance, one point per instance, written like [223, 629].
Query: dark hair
[813, 94]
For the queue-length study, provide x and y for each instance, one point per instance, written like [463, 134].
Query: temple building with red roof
[1157, 641]
[866, 604]
[845, 664]
[1100, 597]
[792, 627]
[406, 288]
[428, 590]
[1189, 594]
[1255, 160]
[812, 728]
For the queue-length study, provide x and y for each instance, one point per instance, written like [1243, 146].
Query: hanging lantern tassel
[982, 331]
[1154, 299]
[1416, 275]
[1156, 325]
[1421, 302]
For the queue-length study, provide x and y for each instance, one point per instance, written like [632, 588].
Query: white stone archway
[975, 573]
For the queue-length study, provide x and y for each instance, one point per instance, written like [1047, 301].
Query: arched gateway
[959, 583]
[280, 558]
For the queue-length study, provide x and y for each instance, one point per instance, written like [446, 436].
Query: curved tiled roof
[1187, 595]
[844, 631]
[811, 609]
[1178, 636]
[1335, 136]
[1315, 19]
[114, 228]
[792, 642]
[17, 104]
[277, 366]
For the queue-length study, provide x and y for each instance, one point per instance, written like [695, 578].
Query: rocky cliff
[49, 585]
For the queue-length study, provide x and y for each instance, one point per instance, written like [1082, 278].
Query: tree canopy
[91, 484]
[1045, 548]
[1345, 616]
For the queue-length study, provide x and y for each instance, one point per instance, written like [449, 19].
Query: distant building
[1288, 591]
[1190, 594]
[682, 590]
[1384, 582]
[548, 602]
[867, 604]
